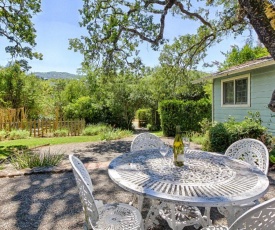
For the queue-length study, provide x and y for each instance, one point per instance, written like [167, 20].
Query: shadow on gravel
[40, 201]
[102, 151]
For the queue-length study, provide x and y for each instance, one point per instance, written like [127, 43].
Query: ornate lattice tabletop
[206, 179]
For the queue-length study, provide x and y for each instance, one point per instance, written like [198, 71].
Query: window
[236, 91]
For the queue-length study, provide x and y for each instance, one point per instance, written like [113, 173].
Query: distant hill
[55, 75]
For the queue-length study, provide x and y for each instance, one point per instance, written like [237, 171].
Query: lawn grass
[7, 147]
[35, 142]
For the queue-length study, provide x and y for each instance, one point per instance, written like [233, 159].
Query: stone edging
[55, 169]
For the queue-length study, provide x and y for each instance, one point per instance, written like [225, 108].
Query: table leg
[207, 216]
[173, 215]
[153, 212]
[140, 202]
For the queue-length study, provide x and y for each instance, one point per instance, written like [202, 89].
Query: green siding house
[244, 88]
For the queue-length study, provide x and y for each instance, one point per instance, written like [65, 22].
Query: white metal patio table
[206, 180]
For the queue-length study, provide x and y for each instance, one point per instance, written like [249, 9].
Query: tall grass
[113, 134]
[27, 159]
[97, 129]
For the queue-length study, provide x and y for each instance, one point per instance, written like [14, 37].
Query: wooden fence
[45, 128]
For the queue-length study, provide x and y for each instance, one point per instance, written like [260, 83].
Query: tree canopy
[16, 26]
[116, 28]
[237, 56]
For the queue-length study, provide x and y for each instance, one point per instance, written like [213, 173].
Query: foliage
[113, 134]
[272, 156]
[218, 138]
[28, 159]
[237, 56]
[221, 135]
[186, 114]
[197, 138]
[18, 134]
[19, 90]
[16, 26]
[117, 28]
[74, 89]
[3, 135]
[60, 133]
[144, 116]
[97, 129]
[83, 108]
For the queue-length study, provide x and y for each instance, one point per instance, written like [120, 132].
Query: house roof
[254, 64]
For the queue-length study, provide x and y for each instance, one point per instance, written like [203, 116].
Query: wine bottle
[178, 148]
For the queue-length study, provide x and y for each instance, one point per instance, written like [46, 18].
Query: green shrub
[113, 134]
[92, 130]
[272, 156]
[60, 133]
[84, 108]
[144, 117]
[186, 114]
[151, 127]
[222, 135]
[3, 135]
[18, 134]
[28, 159]
[218, 138]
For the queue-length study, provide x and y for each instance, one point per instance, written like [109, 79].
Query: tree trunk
[255, 12]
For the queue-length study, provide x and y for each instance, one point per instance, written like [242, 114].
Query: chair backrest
[145, 141]
[251, 151]
[261, 216]
[84, 184]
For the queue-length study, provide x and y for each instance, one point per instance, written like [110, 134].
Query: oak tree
[116, 28]
[16, 26]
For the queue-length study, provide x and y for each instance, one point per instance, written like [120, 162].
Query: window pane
[241, 91]
[228, 92]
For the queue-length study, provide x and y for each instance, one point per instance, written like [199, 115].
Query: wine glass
[186, 142]
[163, 149]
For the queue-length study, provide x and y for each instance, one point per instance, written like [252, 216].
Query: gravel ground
[51, 201]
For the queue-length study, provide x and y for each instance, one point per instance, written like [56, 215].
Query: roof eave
[243, 69]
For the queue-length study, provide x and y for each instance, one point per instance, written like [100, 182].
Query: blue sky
[58, 22]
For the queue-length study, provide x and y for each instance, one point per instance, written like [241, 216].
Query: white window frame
[234, 80]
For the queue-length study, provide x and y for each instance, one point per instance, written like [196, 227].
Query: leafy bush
[113, 134]
[218, 138]
[92, 130]
[144, 116]
[84, 108]
[272, 156]
[18, 134]
[3, 135]
[153, 127]
[222, 135]
[60, 133]
[28, 159]
[186, 114]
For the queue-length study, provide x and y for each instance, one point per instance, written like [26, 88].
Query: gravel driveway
[50, 200]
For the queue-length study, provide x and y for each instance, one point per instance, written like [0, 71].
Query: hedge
[187, 114]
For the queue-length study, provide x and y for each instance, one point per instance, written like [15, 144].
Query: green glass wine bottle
[178, 148]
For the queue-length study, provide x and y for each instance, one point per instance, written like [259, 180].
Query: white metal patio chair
[259, 217]
[98, 216]
[253, 152]
[184, 215]
[145, 141]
